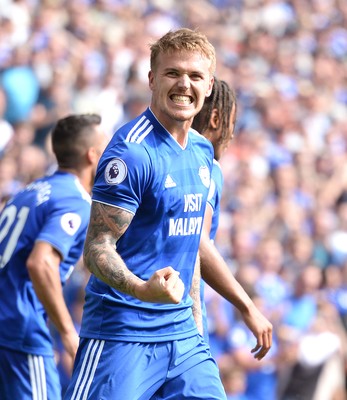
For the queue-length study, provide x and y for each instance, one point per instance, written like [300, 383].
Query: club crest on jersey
[204, 174]
[70, 222]
[115, 171]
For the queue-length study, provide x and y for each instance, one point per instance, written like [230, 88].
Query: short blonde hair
[183, 39]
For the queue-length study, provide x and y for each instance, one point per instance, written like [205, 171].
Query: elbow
[30, 264]
[34, 263]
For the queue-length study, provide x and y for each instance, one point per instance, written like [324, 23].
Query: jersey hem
[142, 339]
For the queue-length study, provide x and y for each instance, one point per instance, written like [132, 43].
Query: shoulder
[216, 164]
[201, 142]
[66, 192]
[138, 144]
[134, 137]
[197, 137]
[135, 131]
[217, 170]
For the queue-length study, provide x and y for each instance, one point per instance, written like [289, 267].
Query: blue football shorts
[181, 369]
[28, 377]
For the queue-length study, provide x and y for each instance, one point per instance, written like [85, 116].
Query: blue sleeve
[66, 222]
[122, 177]
[216, 186]
[211, 199]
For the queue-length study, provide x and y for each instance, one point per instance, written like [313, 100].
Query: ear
[150, 79]
[215, 119]
[210, 86]
[92, 155]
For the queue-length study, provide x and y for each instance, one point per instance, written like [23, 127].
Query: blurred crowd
[283, 227]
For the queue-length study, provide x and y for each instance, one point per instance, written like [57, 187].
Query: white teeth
[181, 99]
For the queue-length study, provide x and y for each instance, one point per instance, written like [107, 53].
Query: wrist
[138, 288]
[246, 307]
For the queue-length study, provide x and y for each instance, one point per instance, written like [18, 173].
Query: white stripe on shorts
[37, 377]
[87, 371]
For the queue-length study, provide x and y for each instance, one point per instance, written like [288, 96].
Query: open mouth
[181, 99]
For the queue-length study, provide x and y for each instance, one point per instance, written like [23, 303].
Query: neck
[84, 176]
[178, 129]
[180, 137]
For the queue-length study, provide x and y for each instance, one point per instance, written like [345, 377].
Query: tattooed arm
[107, 224]
[195, 295]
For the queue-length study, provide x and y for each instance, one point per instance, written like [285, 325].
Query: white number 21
[15, 220]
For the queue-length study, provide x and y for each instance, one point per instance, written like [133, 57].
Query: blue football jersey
[53, 209]
[146, 172]
[215, 195]
[214, 198]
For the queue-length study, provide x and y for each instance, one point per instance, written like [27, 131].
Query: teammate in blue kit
[139, 336]
[216, 122]
[42, 231]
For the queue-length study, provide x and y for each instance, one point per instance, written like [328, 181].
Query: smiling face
[179, 83]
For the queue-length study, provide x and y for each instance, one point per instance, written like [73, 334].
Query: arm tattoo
[107, 224]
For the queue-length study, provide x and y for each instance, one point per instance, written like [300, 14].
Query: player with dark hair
[42, 231]
[139, 337]
[216, 121]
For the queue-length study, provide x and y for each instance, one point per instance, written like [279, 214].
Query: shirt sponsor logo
[187, 226]
[116, 171]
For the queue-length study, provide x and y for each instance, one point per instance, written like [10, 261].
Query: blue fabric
[214, 196]
[22, 90]
[300, 312]
[145, 171]
[182, 369]
[22, 377]
[54, 209]
[261, 382]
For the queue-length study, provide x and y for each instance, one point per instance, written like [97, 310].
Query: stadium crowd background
[283, 226]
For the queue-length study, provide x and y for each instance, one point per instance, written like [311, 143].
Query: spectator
[261, 377]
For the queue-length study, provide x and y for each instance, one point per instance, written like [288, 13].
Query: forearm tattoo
[107, 224]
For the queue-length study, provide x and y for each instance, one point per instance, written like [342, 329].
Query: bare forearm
[217, 274]
[104, 262]
[195, 295]
[48, 288]
[43, 267]
[107, 225]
